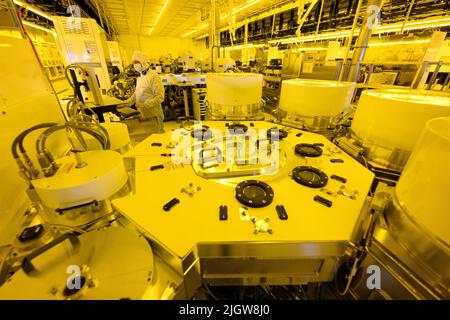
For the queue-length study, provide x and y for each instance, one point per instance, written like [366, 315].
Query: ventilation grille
[75, 26]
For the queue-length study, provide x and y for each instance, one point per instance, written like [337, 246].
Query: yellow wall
[155, 47]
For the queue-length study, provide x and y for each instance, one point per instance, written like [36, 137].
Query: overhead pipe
[302, 17]
[350, 39]
[214, 40]
[396, 12]
[231, 22]
[349, 6]
[246, 35]
[367, 27]
[335, 12]
[407, 16]
[320, 18]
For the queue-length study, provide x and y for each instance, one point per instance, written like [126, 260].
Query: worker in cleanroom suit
[149, 93]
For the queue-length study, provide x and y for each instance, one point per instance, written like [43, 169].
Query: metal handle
[28, 267]
[61, 210]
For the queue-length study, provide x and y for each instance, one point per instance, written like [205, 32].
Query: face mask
[138, 67]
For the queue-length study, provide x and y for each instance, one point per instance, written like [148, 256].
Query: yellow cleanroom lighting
[159, 16]
[312, 49]
[191, 32]
[32, 25]
[223, 17]
[33, 9]
[241, 8]
[394, 43]
[243, 46]
[412, 25]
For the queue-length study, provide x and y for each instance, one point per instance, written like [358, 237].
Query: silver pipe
[320, 19]
[434, 76]
[350, 39]
[302, 19]
[80, 162]
[214, 40]
[273, 25]
[245, 41]
[99, 13]
[407, 16]
[231, 27]
[95, 130]
[446, 81]
[362, 42]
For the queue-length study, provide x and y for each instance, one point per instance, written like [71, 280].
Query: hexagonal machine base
[302, 247]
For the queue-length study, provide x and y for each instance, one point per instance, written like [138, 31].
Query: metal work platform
[252, 245]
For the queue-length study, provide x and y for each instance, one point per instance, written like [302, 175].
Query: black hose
[77, 131]
[19, 139]
[72, 66]
[104, 140]
[74, 114]
[107, 143]
[51, 127]
[79, 136]
[105, 133]
[68, 107]
[40, 142]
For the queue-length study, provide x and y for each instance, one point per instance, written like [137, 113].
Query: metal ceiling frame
[113, 15]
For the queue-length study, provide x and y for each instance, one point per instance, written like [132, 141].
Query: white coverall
[150, 94]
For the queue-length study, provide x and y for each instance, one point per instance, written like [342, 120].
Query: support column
[367, 27]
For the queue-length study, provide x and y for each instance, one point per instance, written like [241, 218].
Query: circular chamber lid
[103, 176]
[237, 128]
[202, 134]
[308, 150]
[108, 264]
[281, 134]
[310, 177]
[254, 194]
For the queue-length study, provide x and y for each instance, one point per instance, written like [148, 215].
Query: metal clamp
[333, 151]
[191, 190]
[261, 225]
[171, 145]
[243, 214]
[344, 191]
